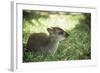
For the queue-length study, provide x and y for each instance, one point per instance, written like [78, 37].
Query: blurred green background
[76, 47]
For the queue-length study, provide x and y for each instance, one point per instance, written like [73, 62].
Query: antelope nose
[66, 34]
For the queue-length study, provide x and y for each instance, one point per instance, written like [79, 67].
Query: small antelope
[40, 43]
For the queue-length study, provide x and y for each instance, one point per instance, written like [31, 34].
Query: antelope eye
[61, 33]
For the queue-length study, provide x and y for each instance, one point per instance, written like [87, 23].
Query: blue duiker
[42, 44]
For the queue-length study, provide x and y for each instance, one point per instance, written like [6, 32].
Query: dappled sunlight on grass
[67, 22]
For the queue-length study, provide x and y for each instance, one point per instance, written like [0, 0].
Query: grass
[76, 47]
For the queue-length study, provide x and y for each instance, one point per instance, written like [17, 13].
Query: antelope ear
[49, 30]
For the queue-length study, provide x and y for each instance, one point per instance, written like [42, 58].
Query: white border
[18, 65]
